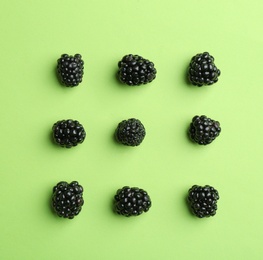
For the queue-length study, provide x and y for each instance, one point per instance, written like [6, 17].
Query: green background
[33, 36]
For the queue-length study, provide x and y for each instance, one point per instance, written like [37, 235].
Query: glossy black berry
[202, 70]
[134, 70]
[130, 132]
[203, 200]
[67, 199]
[204, 130]
[132, 201]
[68, 133]
[70, 69]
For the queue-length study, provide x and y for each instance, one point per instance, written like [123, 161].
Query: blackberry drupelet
[203, 200]
[132, 201]
[70, 69]
[204, 130]
[134, 70]
[202, 70]
[68, 133]
[130, 132]
[67, 200]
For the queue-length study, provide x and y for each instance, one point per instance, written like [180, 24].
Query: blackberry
[67, 200]
[203, 200]
[132, 201]
[130, 132]
[134, 70]
[202, 70]
[204, 130]
[70, 69]
[68, 133]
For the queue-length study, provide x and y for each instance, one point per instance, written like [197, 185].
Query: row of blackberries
[131, 132]
[134, 70]
[67, 200]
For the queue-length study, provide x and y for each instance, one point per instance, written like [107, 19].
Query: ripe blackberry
[204, 130]
[67, 200]
[134, 70]
[202, 70]
[132, 201]
[130, 132]
[68, 133]
[70, 69]
[203, 200]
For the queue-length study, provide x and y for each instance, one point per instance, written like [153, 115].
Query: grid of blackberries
[134, 70]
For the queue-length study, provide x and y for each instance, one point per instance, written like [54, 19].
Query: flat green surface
[33, 36]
